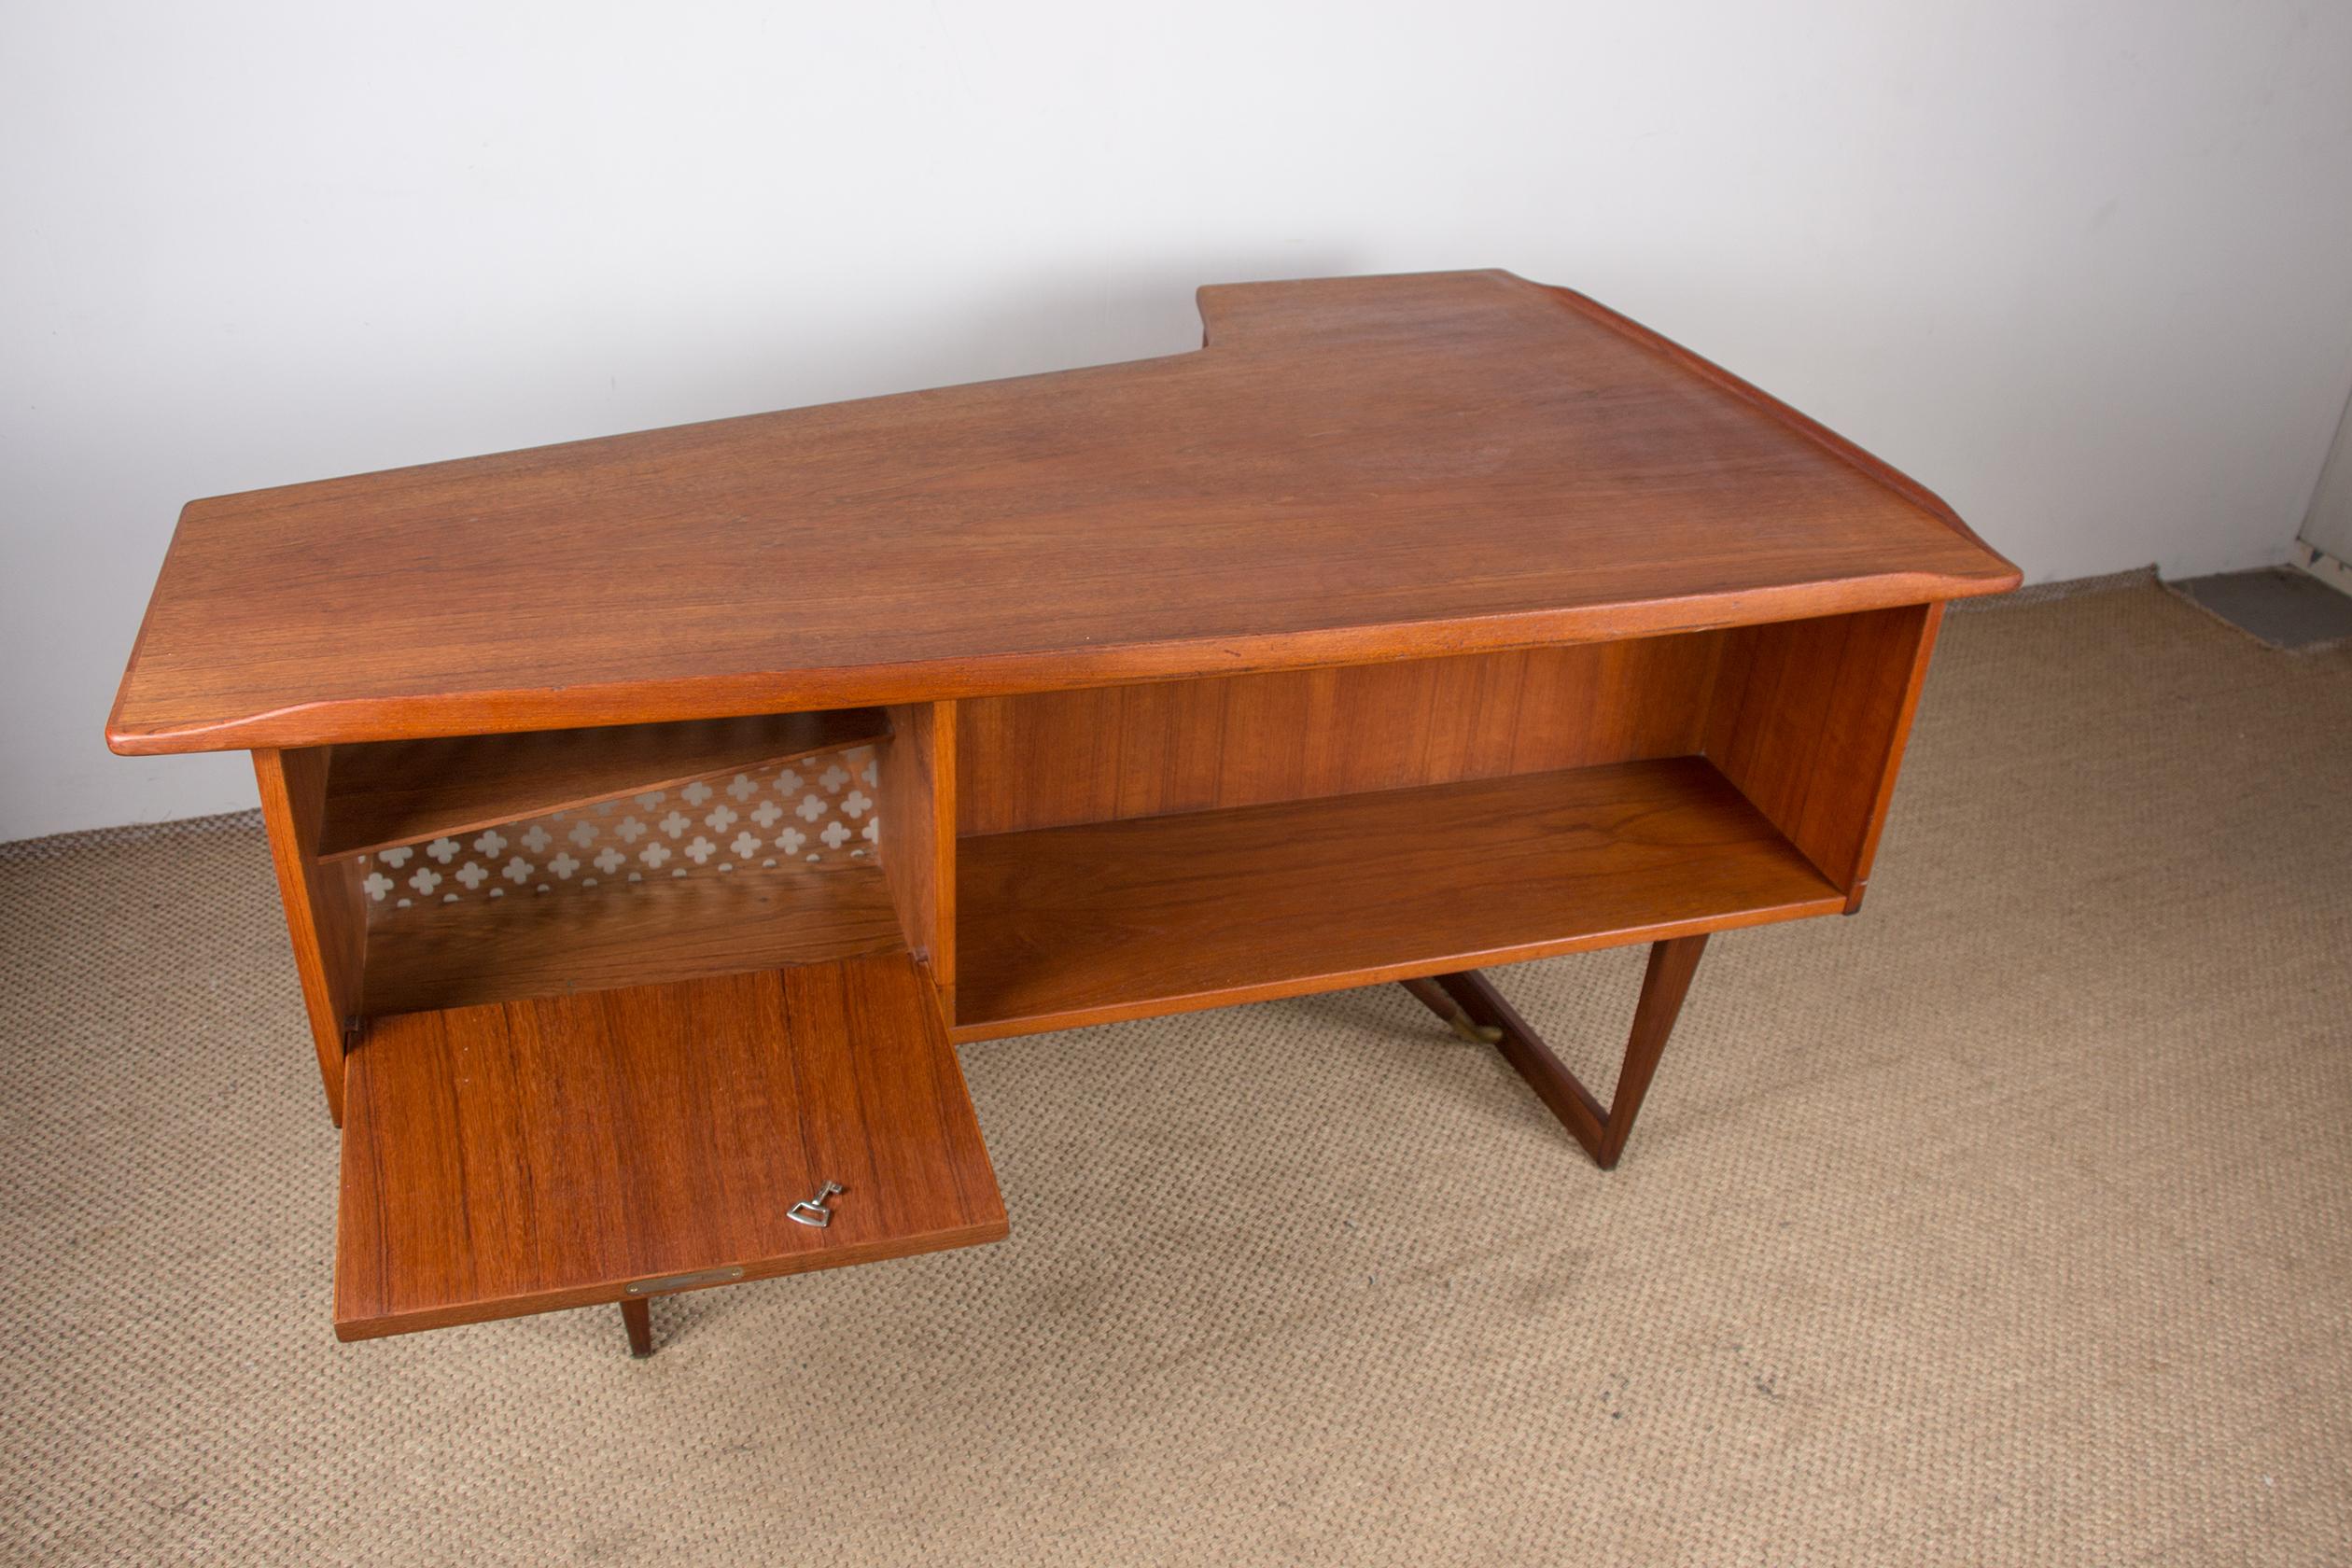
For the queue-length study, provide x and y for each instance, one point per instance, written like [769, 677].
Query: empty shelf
[1072, 924]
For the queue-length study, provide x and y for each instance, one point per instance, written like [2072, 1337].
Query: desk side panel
[919, 836]
[1809, 719]
[326, 910]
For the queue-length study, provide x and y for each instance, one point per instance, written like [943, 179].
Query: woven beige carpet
[2010, 1222]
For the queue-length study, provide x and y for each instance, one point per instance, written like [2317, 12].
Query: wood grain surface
[919, 836]
[1102, 753]
[1071, 925]
[1809, 721]
[326, 909]
[553, 1152]
[1352, 470]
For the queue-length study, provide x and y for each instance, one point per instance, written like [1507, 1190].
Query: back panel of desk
[1807, 717]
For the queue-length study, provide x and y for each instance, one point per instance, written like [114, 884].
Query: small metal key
[812, 1210]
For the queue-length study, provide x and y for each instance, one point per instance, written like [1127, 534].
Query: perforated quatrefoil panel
[815, 812]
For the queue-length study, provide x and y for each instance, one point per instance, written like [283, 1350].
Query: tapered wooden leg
[637, 1315]
[1603, 1132]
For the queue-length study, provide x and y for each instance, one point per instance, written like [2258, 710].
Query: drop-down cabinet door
[561, 1150]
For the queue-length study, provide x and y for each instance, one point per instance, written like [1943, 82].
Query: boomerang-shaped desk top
[654, 813]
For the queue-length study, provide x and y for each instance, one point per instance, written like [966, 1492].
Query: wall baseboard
[2332, 570]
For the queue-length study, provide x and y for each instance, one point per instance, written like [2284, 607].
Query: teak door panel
[563, 1151]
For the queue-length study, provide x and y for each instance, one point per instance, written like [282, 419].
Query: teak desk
[654, 813]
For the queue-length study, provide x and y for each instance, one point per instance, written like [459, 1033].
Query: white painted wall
[2085, 268]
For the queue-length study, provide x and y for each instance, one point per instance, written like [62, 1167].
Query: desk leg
[1475, 1009]
[1433, 996]
[637, 1316]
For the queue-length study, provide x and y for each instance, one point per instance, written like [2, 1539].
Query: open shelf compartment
[773, 857]
[564, 1150]
[1103, 920]
[1128, 850]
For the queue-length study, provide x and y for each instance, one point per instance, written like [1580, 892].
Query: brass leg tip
[1477, 1034]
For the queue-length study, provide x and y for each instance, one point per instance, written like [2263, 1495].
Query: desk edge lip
[502, 710]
